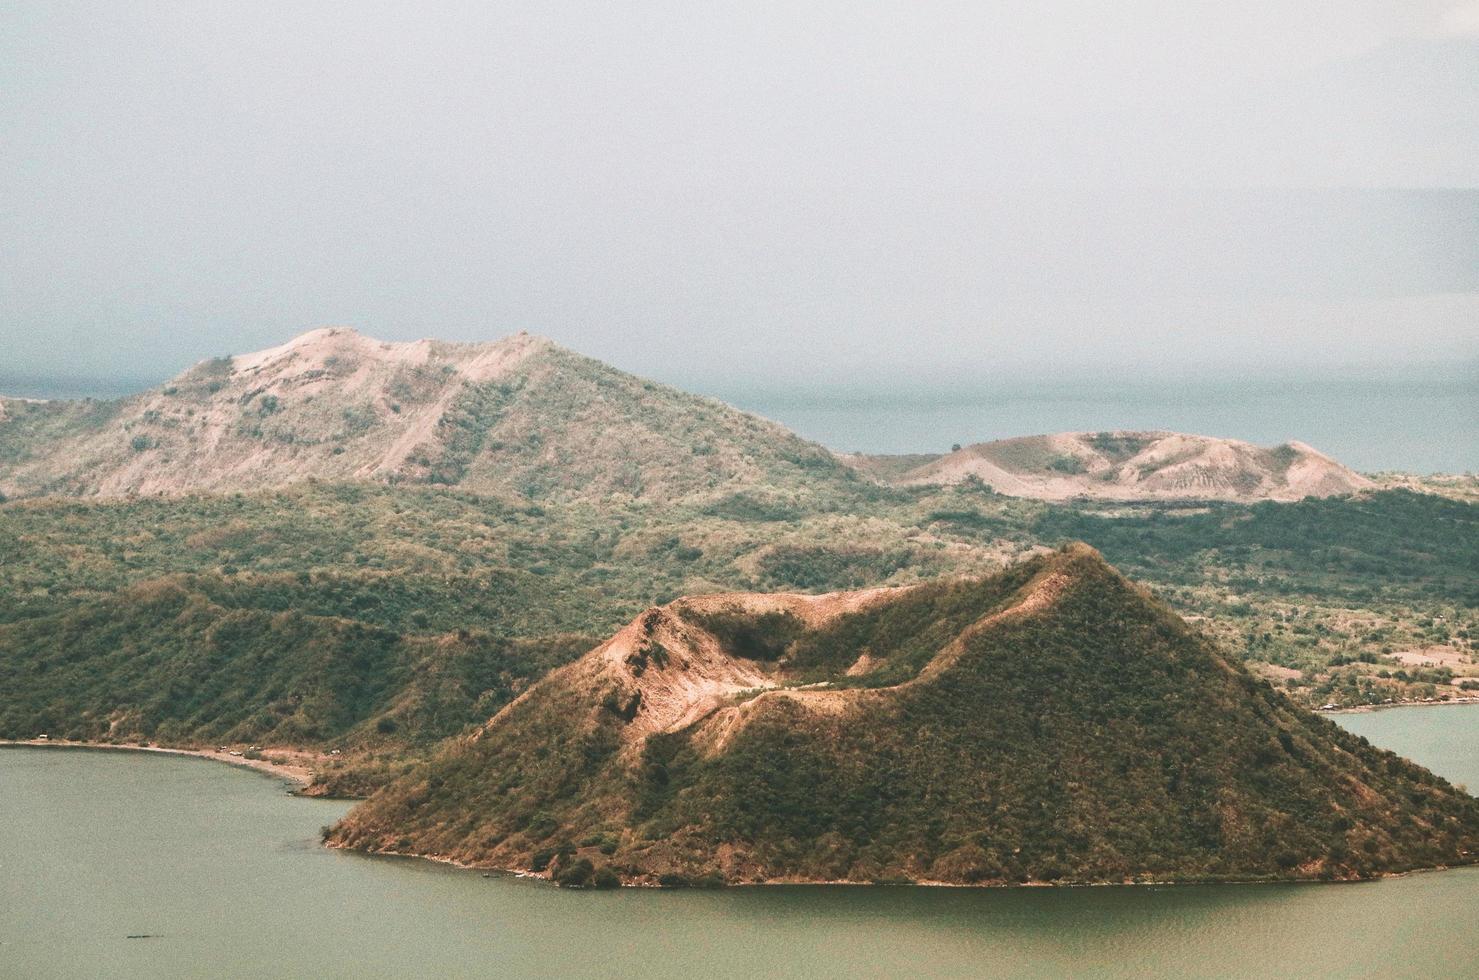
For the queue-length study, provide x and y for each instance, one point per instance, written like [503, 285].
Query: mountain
[524, 417]
[1051, 723]
[1134, 466]
[520, 416]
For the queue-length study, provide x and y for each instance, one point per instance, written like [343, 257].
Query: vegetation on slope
[1348, 601]
[522, 490]
[165, 663]
[87, 651]
[1395, 544]
[1328, 594]
[29, 429]
[1073, 729]
[520, 417]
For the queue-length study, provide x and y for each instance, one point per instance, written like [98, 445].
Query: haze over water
[1413, 422]
[219, 873]
[779, 195]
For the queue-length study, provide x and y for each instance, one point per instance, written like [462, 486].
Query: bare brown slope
[1051, 723]
[519, 416]
[1142, 466]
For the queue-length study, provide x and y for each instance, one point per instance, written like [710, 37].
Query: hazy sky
[714, 192]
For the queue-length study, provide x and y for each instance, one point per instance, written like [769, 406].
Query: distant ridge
[525, 417]
[1126, 465]
[519, 416]
[1048, 724]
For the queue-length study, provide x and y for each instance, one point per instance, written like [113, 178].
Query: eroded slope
[1052, 723]
[1141, 466]
[520, 417]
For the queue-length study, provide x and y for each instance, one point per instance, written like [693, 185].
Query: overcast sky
[713, 193]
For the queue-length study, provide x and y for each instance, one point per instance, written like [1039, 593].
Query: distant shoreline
[299, 775]
[1359, 709]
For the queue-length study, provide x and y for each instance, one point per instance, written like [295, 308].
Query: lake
[219, 870]
[1418, 423]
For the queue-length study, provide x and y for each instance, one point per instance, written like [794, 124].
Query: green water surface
[220, 870]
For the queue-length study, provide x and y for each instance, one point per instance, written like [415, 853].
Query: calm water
[220, 866]
[1418, 424]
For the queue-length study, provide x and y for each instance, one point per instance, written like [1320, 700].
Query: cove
[132, 865]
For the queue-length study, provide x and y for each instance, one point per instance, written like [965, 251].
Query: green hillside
[1324, 590]
[1053, 723]
[272, 548]
[165, 663]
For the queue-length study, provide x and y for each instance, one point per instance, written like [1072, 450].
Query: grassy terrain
[1331, 589]
[1090, 737]
[316, 615]
[1325, 592]
[521, 417]
[408, 497]
[181, 667]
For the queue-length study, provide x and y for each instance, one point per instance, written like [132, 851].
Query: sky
[730, 194]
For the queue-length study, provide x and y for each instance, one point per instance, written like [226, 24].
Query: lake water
[221, 870]
[1419, 423]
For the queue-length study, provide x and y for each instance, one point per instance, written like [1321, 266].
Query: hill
[1047, 724]
[1135, 466]
[519, 416]
[314, 617]
[1341, 600]
[166, 662]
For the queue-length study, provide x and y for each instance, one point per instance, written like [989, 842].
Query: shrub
[751, 508]
[576, 874]
[826, 569]
[541, 826]
[743, 634]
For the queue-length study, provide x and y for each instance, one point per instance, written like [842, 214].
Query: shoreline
[300, 776]
[1357, 709]
[530, 875]
[525, 873]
